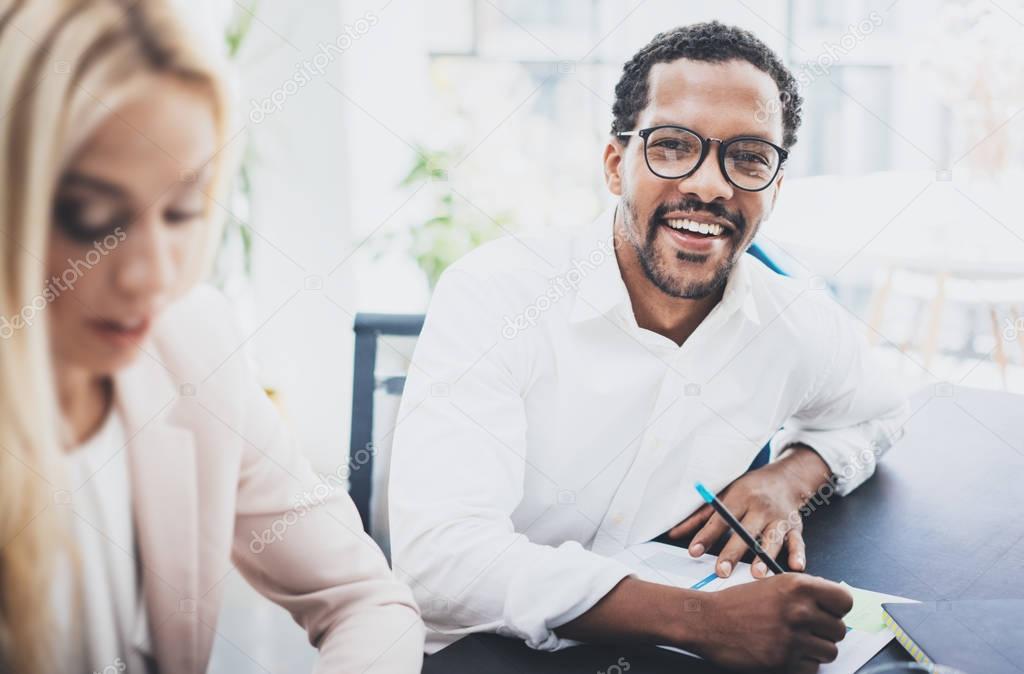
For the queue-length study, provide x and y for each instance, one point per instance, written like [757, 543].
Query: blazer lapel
[162, 465]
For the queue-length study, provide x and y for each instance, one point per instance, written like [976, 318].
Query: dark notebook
[977, 636]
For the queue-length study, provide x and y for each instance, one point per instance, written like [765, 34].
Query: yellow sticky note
[866, 614]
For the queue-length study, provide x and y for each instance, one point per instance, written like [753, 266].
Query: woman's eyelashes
[180, 216]
[85, 221]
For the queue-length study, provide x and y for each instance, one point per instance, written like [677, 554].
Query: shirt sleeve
[459, 461]
[853, 413]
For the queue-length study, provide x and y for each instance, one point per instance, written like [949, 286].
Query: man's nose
[707, 183]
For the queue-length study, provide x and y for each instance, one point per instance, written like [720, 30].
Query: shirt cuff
[557, 587]
[850, 455]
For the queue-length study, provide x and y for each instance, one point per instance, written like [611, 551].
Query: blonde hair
[65, 65]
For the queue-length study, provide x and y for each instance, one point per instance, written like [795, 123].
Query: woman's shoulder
[198, 335]
[202, 300]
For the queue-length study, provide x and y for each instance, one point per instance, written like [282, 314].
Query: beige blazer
[216, 485]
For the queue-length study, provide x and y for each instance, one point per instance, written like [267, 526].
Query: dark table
[943, 518]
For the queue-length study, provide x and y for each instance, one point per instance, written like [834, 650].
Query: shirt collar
[739, 291]
[601, 289]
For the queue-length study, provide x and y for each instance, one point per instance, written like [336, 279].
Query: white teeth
[694, 226]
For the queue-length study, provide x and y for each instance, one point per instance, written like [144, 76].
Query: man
[568, 391]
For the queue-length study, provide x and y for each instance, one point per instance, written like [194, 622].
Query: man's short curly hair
[714, 42]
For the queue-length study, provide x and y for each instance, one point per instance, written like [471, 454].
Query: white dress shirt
[542, 429]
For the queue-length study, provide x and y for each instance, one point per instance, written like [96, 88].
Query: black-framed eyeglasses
[747, 162]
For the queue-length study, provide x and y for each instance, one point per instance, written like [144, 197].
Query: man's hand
[790, 622]
[767, 502]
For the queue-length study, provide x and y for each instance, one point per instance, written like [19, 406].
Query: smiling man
[567, 391]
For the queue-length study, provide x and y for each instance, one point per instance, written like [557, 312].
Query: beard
[674, 279]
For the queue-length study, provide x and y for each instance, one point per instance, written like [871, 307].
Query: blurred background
[385, 139]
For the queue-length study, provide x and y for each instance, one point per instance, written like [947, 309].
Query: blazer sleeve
[299, 541]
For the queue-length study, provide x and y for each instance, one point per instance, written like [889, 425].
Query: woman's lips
[122, 333]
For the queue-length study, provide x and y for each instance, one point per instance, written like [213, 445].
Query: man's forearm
[641, 612]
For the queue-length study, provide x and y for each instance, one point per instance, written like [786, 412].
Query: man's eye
[674, 145]
[751, 157]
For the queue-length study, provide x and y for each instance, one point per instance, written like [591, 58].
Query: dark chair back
[365, 457]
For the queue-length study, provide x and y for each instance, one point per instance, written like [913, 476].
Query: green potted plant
[455, 226]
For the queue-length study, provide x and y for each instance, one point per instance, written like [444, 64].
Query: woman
[139, 460]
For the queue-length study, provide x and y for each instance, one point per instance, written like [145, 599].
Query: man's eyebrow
[746, 133]
[76, 179]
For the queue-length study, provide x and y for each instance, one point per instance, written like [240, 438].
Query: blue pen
[735, 525]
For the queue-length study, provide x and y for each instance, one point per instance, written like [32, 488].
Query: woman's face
[128, 216]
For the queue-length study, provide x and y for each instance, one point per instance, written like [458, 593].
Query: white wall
[298, 311]
[389, 112]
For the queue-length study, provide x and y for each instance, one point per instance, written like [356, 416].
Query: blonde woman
[139, 461]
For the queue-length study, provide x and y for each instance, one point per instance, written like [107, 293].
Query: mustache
[696, 206]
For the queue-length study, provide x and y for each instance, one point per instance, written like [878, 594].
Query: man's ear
[613, 152]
